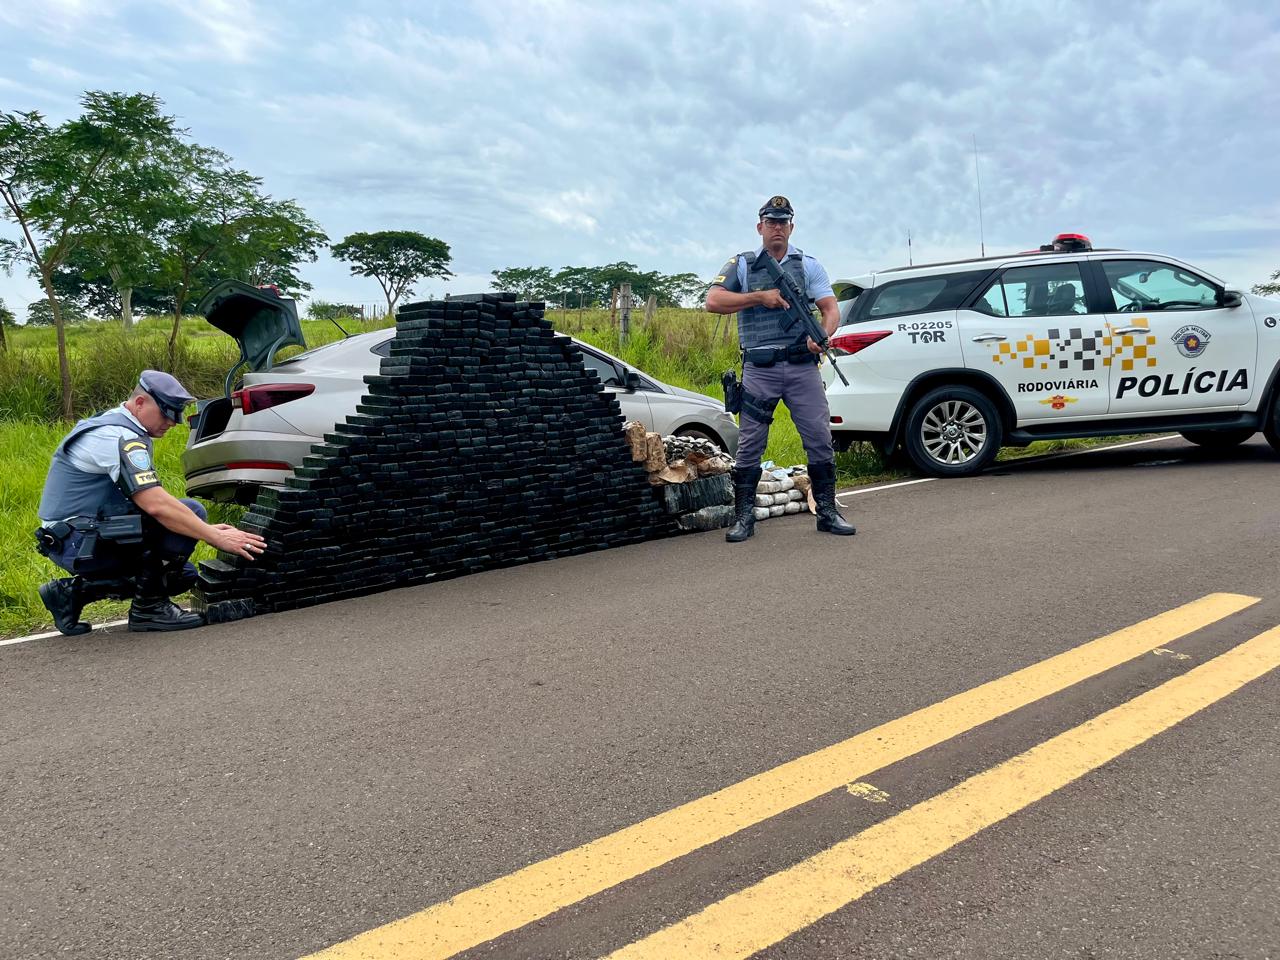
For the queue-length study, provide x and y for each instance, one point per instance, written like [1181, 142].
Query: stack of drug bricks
[483, 442]
[789, 494]
[690, 477]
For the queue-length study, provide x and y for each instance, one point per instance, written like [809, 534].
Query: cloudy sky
[539, 132]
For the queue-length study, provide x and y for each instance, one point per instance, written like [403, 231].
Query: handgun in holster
[738, 399]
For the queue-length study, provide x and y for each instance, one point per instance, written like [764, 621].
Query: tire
[1218, 439]
[953, 432]
[700, 433]
[1271, 428]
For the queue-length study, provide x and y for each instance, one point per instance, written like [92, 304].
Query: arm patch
[728, 277]
[137, 466]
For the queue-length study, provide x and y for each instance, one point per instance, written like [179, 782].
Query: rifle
[798, 311]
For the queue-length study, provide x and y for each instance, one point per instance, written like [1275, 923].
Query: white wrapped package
[761, 513]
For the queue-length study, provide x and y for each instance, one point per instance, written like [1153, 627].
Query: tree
[527, 283]
[83, 281]
[1270, 289]
[324, 310]
[397, 259]
[7, 319]
[58, 183]
[220, 226]
[40, 314]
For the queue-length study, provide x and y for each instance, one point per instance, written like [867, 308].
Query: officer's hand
[772, 299]
[813, 347]
[234, 540]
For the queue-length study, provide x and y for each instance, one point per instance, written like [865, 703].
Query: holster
[738, 399]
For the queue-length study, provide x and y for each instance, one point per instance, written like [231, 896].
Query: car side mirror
[1231, 298]
[632, 380]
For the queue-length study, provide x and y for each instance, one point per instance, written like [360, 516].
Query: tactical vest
[758, 327]
[70, 491]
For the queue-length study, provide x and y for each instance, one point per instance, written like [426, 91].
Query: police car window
[1138, 285]
[1044, 290]
[919, 295]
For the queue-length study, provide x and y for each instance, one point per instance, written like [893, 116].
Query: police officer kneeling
[779, 362]
[106, 519]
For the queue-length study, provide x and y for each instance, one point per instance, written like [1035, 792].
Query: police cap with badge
[777, 208]
[170, 396]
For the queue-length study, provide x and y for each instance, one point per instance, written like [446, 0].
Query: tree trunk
[178, 303]
[4, 343]
[126, 307]
[64, 368]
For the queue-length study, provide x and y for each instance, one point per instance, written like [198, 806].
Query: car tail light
[264, 395]
[847, 343]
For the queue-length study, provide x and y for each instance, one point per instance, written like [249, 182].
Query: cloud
[560, 133]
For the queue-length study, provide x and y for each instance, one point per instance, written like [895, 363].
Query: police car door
[1033, 330]
[1173, 347]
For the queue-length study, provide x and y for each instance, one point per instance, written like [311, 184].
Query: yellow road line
[510, 902]
[778, 906]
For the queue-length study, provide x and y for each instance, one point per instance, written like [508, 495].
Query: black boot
[152, 610]
[744, 505]
[65, 599]
[822, 477]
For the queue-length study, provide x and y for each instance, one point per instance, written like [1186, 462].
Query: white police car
[949, 361]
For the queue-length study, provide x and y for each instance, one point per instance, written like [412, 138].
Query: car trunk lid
[261, 321]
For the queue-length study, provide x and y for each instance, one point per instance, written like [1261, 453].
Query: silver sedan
[260, 432]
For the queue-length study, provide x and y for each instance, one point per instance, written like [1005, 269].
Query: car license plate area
[211, 419]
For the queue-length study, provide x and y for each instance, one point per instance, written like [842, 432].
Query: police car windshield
[1149, 285]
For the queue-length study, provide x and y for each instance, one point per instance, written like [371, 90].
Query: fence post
[625, 318]
[650, 308]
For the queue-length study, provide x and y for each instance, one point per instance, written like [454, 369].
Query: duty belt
[768, 356]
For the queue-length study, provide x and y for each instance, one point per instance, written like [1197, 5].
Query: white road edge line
[55, 633]
[1047, 456]
[849, 493]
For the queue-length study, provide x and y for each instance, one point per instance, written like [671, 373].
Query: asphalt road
[274, 787]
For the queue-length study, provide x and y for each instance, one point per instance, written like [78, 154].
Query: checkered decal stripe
[1057, 352]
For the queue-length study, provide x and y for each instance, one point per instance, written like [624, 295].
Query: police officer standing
[106, 519]
[779, 362]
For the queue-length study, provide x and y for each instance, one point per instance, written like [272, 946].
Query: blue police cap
[777, 208]
[170, 396]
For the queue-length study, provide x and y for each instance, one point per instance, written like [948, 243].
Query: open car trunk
[262, 322]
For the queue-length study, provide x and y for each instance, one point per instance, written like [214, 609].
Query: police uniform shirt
[98, 451]
[733, 275]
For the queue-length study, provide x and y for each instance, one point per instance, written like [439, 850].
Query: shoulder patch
[143, 479]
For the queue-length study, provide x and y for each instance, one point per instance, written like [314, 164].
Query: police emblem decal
[141, 459]
[1058, 401]
[1191, 340]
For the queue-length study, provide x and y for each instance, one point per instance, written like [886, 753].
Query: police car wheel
[1271, 429]
[1218, 439]
[953, 432]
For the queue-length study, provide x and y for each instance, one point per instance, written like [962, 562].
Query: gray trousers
[800, 387]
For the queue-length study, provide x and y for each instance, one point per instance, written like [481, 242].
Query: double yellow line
[750, 920]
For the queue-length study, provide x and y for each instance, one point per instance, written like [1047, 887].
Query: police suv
[949, 361]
